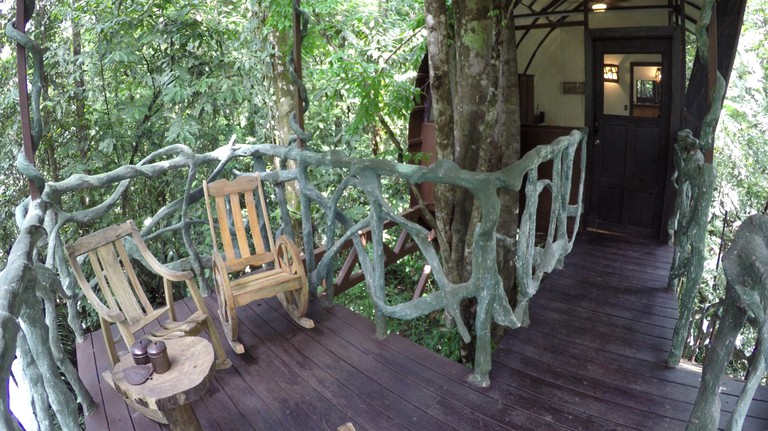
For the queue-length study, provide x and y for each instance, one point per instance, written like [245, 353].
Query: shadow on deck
[592, 359]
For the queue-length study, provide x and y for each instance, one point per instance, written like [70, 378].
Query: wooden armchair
[251, 266]
[124, 302]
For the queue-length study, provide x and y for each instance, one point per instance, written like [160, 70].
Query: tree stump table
[192, 368]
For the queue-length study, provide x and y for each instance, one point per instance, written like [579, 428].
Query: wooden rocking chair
[251, 267]
[125, 303]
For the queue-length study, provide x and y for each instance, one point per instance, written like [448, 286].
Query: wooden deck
[592, 359]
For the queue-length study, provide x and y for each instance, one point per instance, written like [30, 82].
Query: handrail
[23, 274]
[746, 293]
[485, 283]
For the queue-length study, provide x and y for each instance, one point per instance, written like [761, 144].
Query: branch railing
[745, 265]
[42, 222]
[694, 180]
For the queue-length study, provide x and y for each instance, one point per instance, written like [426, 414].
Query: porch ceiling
[555, 13]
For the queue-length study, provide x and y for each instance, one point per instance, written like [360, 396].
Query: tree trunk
[475, 104]
[283, 88]
[729, 17]
[81, 126]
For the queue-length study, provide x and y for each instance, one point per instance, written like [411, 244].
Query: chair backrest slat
[253, 223]
[237, 221]
[104, 236]
[231, 197]
[98, 271]
[131, 273]
[118, 283]
[226, 235]
[266, 217]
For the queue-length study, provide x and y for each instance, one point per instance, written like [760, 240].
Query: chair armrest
[104, 312]
[155, 264]
[217, 261]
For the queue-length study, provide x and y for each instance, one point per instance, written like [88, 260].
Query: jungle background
[124, 79]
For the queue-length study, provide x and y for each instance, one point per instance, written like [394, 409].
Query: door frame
[673, 36]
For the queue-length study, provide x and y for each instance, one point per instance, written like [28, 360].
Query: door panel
[630, 184]
[639, 210]
[631, 127]
[614, 154]
[611, 202]
[646, 154]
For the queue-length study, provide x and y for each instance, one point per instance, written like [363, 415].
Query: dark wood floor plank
[592, 331]
[483, 402]
[400, 410]
[629, 281]
[593, 358]
[511, 398]
[619, 269]
[278, 372]
[615, 259]
[590, 299]
[609, 390]
[590, 404]
[625, 247]
[646, 325]
[605, 355]
[552, 355]
[400, 383]
[614, 289]
[674, 384]
[653, 261]
[330, 394]
[86, 365]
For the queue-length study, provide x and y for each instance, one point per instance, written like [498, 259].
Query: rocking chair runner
[251, 267]
[127, 305]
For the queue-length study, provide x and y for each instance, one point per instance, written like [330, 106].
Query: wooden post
[21, 69]
[297, 68]
[711, 71]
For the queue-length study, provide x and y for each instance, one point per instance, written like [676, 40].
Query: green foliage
[360, 57]
[741, 159]
[125, 79]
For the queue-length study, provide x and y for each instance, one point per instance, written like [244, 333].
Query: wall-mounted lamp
[599, 7]
[658, 74]
[611, 73]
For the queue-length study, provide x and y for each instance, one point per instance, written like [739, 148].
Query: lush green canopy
[124, 79]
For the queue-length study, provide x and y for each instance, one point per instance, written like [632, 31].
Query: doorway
[632, 113]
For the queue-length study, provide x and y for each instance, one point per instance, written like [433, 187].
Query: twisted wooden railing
[694, 180]
[29, 285]
[746, 295]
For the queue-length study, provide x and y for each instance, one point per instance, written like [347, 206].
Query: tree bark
[284, 103]
[729, 16]
[81, 126]
[473, 79]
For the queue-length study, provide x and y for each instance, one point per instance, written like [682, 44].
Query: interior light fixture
[658, 74]
[611, 73]
[599, 7]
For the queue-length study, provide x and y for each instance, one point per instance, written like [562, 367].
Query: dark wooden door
[630, 154]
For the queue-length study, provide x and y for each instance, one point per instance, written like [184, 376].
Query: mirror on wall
[646, 89]
[632, 84]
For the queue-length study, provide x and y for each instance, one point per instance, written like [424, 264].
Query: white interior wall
[560, 59]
